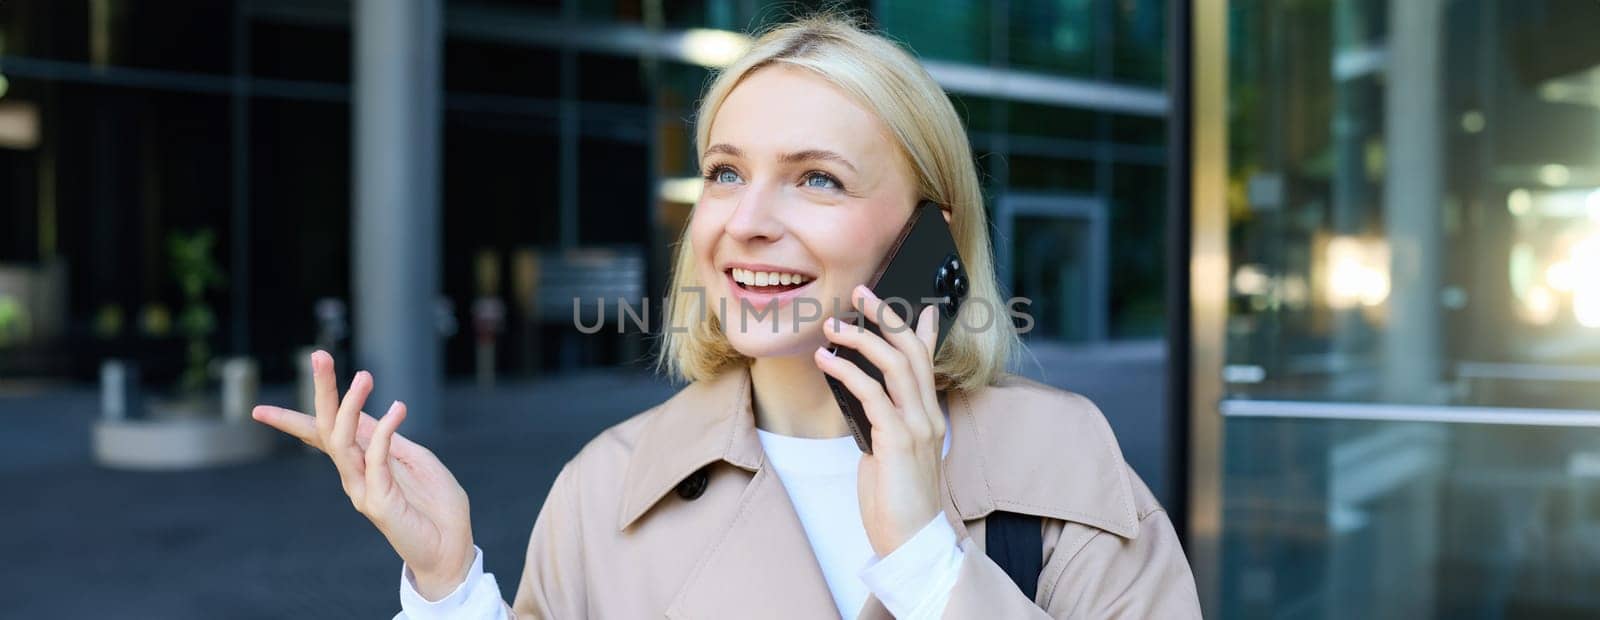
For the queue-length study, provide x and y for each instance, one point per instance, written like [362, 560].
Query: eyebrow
[788, 158]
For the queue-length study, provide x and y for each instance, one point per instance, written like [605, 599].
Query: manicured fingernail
[825, 352]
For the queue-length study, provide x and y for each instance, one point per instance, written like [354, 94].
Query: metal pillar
[1208, 292]
[395, 222]
[1412, 190]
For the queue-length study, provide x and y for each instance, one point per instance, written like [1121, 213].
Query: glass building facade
[1394, 355]
[1409, 345]
[131, 128]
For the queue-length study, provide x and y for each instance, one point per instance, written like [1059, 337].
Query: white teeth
[767, 278]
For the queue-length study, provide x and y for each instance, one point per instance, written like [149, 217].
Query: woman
[744, 495]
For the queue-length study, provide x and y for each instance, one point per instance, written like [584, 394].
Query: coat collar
[1080, 476]
[707, 421]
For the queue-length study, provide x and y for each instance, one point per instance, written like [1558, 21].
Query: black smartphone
[921, 268]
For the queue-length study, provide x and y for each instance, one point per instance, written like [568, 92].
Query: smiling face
[805, 190]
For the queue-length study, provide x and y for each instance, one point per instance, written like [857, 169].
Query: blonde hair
[885, 79]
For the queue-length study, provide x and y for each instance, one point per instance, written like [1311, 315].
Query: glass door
[1409, 369]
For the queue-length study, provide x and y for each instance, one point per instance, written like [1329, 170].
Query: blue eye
[821, 181]
[722, 174]
[727, 175]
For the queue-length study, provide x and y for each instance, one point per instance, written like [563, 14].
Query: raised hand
[899, 482]
[397, 484]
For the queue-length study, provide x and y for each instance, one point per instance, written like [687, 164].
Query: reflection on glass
[952, 30]
[1414, 215]
[1420, 189]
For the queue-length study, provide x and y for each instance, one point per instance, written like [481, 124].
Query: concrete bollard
[305, 383]
[119, 390]
[240, 386]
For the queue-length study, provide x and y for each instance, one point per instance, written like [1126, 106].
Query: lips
[759, 295]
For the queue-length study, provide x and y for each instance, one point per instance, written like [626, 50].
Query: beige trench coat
[619, 538]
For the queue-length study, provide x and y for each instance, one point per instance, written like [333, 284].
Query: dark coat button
[693, 486]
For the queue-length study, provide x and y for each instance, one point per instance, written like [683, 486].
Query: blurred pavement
[278, 538]
[272, 539]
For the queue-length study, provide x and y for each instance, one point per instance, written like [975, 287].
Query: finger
[909, 342]
[296, 424]
[378, 477]
[342, 444]
[304, 427]
[326, 393]
[928, 330]
[928, 333]
[898, 376]
[886, 315]
[885, 424]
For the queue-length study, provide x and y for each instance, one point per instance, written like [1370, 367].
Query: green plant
[196, 272]
[13, 321]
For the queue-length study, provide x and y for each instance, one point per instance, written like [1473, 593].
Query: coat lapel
[1024, 447]
[761, 564]
[761, 567]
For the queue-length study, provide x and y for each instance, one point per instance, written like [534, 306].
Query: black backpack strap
[1016, 542]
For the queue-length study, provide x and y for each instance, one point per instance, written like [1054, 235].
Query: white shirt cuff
[478, 596]
[914, 581]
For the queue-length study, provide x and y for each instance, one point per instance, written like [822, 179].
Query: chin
[759, 341]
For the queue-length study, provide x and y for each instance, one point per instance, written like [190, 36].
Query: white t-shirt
[819, 475]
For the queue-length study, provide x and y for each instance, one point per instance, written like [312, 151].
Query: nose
[755, 217]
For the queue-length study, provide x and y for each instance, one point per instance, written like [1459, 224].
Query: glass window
[953, 30]
[608, 10]
[1413, 332]
[613, 195]
[977, 113]
[1045, 121]
[1382, 204]
[1035, 173]
[1138, 211]
[300, 184]
[1053, 36]
[488, 68]
[1055, 265]
[191, 36]
[610, 79]
[108, 179]
[300, 52]
[1138, 130]
[1139, 49]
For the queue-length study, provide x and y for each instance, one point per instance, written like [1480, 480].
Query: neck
[791, 397]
